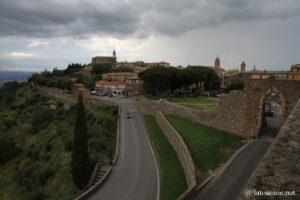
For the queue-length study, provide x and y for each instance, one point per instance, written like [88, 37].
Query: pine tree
[80, 156]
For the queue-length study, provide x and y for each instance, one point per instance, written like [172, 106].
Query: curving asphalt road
[135, 175]
[231, 183]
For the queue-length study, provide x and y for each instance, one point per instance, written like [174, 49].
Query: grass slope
[173, 182]
[209, 147]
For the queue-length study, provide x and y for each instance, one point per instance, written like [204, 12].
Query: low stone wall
[280, 167]
[85, 195]
[94, 101]
[57, 93]
[181, 150]
[70, 98]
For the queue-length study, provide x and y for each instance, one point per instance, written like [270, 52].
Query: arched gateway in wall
[272, 94]
[241, 112]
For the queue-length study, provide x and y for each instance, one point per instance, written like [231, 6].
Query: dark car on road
[128, 115]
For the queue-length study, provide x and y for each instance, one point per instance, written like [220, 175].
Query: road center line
[138, 163]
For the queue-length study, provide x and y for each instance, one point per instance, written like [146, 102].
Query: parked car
[128, 115]
[268, 110]
[94, 92]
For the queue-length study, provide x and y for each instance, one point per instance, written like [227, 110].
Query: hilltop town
[121, 79]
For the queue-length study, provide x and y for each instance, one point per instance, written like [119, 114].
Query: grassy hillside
[36, 143]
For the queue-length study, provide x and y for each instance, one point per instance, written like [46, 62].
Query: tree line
[159, 80]
[57, 78]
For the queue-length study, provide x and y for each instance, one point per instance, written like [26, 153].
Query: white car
[94, 92]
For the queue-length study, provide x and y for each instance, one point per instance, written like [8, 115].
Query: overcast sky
[38, 34]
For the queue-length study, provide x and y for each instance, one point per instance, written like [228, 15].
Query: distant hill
[13, 76]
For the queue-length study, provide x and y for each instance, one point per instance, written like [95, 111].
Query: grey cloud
[49, 18]
[139, 18]
[202, 14]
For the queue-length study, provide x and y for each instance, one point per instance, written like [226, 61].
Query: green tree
[101, 68]
[236, 85]
[80, 155]
[73, 68]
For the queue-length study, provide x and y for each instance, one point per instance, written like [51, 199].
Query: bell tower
[114, 57]
[243, 67]
[217, 62]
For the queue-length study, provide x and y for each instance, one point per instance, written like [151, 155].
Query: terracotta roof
[116, 83]
[267, 72]
[118, 73]
[132, 78]
[100, 82]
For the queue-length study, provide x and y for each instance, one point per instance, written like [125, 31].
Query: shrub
[8, 149]
[9, 122]
[36, 195]
[60, 131]
[44, 174]
[236, 85]
[94, 158]
[27, 183]
[45, 156]
[42, 116]
[48, 147]
[60, 104]
[31, 130]
[68, 145]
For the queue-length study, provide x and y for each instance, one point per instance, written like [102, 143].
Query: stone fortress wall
[240, 112]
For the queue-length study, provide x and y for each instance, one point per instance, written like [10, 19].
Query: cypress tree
[80, 155]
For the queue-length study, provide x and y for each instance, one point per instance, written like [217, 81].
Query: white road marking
[153, 154]
[137, 162]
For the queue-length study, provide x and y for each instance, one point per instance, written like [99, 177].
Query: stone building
[133, 86]
[136, 66]
[254, 74]
[115, 88]
[117, 76]
[105, 59]
[294, 73]
[219, 71]
[119, 84]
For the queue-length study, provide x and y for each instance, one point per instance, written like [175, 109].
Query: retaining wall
[70, 98]
[180, 148]
[57, 93]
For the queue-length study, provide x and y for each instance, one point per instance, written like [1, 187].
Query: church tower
[114, 57]
[243, 67]
[217, 62]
